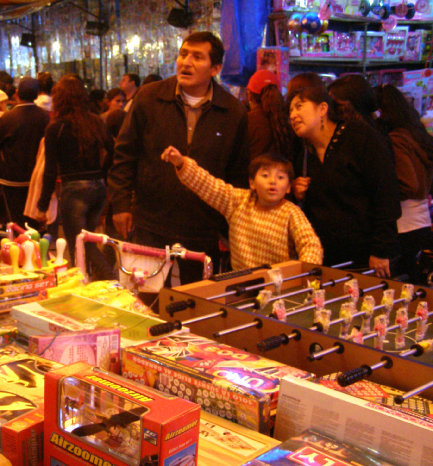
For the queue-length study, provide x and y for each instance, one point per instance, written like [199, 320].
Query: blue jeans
[81, 205]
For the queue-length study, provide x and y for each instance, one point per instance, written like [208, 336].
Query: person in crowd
[264, 228]
[76, 142]
[268, 127]
[98, 101]
[113, 117]
[353, 99]
[7, 84]
[151, 78]
[3, 102]
[21, 130]
[129, 84]
[348, 185]
[192, 112]
[45, 83]
[413, 154]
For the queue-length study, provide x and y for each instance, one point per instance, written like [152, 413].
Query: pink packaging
[99, 347]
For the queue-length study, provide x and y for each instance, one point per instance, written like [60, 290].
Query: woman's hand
[300, 187]
[380, 265]
[172, 155]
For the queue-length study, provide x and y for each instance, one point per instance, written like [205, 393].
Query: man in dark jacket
[21, 131]
[196, 115]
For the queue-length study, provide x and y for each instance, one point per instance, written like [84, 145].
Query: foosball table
[320, 319]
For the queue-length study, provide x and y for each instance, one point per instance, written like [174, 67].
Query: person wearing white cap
[268, 127]
[3, 102]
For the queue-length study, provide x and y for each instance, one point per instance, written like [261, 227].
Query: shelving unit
[347, 23]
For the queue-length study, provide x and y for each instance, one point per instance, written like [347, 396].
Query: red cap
[261, 79]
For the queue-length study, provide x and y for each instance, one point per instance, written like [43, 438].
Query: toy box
[275, 59]
[413, 46]
[401, 438]
[76, 313]
[224, 380]
[375, 44]
[345, 44]
[227, 443]
[96, 417]
[22, 406]
[395, 43]
[320, 45]
[99, 347]
[426, 44]
[315, 448]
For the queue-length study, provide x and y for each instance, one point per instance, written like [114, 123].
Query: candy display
[98, 418]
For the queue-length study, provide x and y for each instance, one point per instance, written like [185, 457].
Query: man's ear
[215, 69]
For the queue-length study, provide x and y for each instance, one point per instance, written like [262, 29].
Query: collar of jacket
[167, 92]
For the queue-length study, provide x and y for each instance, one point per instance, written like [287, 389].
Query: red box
[275, 59]
[96, 417]
[22, 407]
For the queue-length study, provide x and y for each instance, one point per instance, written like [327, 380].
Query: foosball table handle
[354, 375]
[178, 306]
[166, 327]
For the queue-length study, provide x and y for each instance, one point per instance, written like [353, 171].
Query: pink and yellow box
[22, 407]
[275, 59]
[99, 347]
[96, 417]
[224, 380]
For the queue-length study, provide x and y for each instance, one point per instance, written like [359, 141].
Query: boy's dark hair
[267, 159]
[28, 89]
[216, 53]
[45, 82]
[134, 77]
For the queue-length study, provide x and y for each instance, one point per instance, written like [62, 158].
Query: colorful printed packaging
[99, 347]
[225, 381]
[96, 417]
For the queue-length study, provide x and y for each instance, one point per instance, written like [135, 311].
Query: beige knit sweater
[256, 235]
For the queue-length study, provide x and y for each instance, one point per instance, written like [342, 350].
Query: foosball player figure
[401, 319]
[346, 313]
[367, 307]
[380, 329]
[421, 324]
[388, 302]
[407, 292]
[323, 317]
[352, 288]
[318, 300]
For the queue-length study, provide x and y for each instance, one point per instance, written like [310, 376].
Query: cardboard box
[225, 443]
[75, 313]
[224, 380]
[398, 437]
[22, 406]
[315, 448]
[99, 347]
[96, 417]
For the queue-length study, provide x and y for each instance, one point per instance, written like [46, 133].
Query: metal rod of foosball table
[243, 289]
[166, 327]
[256, 323]
[336, 348]
[399, 399]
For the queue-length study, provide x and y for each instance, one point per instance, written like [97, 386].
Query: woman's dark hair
[112, 93]
[354, 88]
[397, 112]
[317, 94]
[301, 80]
[272, 104]
[71, 103]
[267, 159]
[45, 82]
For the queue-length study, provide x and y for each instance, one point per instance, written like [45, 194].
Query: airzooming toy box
[96, 417]
[399, 437]
[226, 381]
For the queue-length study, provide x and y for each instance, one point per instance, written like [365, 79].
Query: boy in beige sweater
[264, 228]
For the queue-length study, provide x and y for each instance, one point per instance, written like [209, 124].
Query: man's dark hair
[151, 78]
[45, 82]
[134, 77]
[267, 159]
[217, 48]
[28, 89]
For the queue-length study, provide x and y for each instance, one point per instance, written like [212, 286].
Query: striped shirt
[256, 235]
